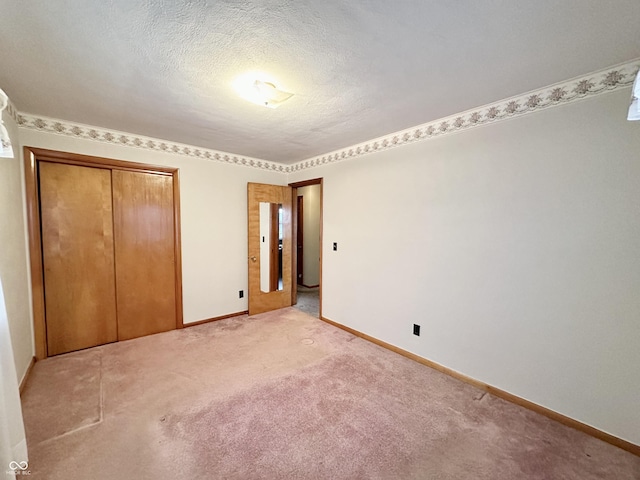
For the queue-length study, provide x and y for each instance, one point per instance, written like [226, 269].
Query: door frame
[299, 237]
[31, 158]
[294, 260]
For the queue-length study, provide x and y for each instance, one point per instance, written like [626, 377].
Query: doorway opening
[307, 251]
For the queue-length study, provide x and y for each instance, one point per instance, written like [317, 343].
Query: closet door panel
[144, 253]
[77, 249]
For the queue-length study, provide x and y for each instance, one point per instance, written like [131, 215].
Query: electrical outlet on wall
[416, 329]
[241, 294]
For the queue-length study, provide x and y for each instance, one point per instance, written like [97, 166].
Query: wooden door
[145, 253]
[77, 253]
[260, 301]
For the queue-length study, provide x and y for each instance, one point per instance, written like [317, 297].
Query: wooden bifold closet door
[78, 256]
[145, 275]
[108, 254]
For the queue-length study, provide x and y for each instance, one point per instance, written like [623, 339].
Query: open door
[270, 235]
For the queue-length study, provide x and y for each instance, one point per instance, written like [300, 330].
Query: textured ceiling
[359, 69]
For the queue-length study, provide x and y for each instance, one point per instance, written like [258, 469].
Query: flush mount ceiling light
[6, 150]
[260, 90]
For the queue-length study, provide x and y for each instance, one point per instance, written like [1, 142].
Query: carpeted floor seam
[67, 434]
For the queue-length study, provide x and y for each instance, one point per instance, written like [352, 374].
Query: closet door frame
[31, 158]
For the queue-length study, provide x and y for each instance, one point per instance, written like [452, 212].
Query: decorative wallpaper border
[114, 137]
[12, 111]
[603, 81]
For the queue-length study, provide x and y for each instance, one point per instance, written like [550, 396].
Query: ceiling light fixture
[634, 108]
[6, 150]
[257, 89]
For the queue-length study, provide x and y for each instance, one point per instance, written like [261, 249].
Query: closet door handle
[253, 259]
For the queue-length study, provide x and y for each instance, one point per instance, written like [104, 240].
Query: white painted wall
[16, 344]
[14, 269]
[13, 441]
[213, 203]
[311, 234]
[515, 245]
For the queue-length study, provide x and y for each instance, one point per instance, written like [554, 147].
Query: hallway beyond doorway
[309, 300]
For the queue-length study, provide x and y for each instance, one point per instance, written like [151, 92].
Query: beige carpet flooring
[285, 396]
[309, 300]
